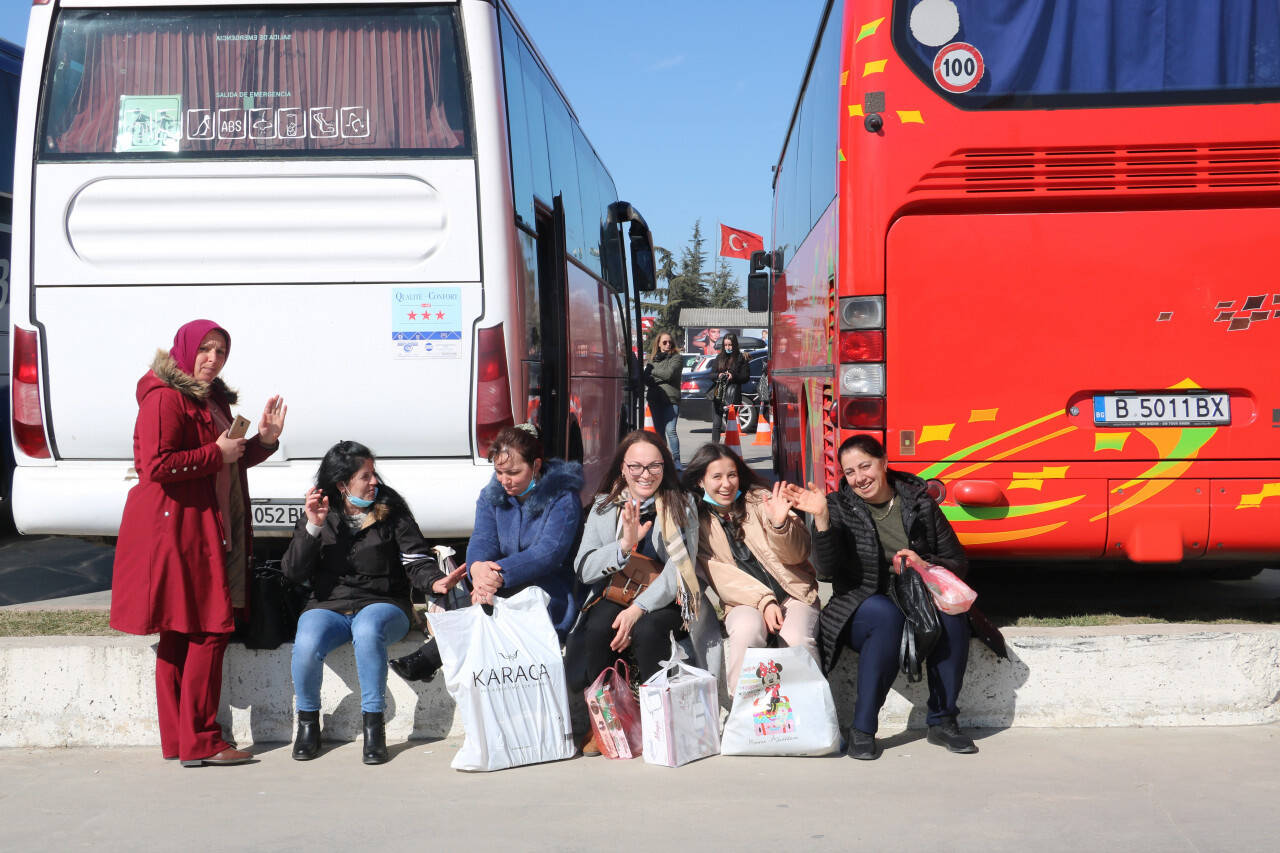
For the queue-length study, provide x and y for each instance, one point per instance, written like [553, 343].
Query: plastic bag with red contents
[950, 594]
[615, 713]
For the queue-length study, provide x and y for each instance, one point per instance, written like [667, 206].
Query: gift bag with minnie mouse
[782, 706]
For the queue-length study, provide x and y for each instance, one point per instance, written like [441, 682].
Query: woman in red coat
[182, 560]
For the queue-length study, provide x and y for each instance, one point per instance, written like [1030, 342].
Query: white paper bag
[507, 676]
[782, 706]
[679, 713]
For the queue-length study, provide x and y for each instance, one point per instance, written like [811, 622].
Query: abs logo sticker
[958, 67]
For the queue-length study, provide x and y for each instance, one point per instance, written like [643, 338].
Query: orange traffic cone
[731, 437]
[648, 420]
[764, 431]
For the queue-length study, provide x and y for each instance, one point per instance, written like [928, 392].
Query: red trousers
[188, 690]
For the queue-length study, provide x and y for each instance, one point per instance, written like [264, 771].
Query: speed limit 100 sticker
[958, 67]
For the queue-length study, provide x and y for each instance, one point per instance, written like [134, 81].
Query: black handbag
[275, 603]
[922, 629]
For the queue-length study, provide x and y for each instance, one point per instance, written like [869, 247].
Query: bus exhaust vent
[1100, 170]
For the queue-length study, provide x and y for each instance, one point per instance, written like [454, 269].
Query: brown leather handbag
[632, 579]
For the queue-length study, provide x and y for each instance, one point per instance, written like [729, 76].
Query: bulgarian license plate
[275, 514]
[1161, 410]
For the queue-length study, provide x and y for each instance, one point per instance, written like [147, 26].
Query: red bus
[1033, 249]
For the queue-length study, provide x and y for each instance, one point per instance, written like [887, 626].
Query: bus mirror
[758, 291]
[615, 271]
[643, 267]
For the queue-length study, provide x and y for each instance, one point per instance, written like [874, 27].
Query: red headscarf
[186, 343]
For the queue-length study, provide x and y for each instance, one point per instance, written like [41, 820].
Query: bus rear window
[1022, 54]
[237, 82]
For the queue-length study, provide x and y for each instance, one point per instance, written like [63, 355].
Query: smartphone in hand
[239, 427]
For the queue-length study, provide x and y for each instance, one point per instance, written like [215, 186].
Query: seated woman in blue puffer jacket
[528, 521]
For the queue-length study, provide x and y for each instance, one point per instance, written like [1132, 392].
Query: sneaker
[863, 746]
[948, 734]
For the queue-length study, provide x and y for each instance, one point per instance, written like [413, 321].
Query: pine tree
[688, 287]
[724, 288]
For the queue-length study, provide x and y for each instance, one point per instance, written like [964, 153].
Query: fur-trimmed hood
[558, 477]
[167, 371]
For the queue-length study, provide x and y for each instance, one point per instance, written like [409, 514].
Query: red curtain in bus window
[319, 85]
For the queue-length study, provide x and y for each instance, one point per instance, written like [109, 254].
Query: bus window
[1046, 53]
[142, 83]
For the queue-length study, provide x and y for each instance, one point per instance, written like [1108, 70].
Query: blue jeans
[370, 631]
[875, 633]
[665, 414]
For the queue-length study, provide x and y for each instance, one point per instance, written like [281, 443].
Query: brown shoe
[591, 748]
[227, 756]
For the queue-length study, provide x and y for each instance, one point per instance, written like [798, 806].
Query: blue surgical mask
[529, 488]
[361, 503]
[706, 496]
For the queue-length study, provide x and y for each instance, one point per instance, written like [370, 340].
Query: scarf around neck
[689, 592]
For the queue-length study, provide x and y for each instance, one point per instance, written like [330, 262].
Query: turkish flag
[736, 243]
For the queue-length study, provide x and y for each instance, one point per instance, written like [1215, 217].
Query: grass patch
[54, 623]
[1083, 620]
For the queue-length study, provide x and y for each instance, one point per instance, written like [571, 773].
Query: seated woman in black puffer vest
[528, 520]
[876, 517]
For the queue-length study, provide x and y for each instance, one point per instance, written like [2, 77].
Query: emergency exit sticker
[958, 67]
[149, 123]
[426, 322]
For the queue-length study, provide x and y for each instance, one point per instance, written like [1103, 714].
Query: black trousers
[587, 651]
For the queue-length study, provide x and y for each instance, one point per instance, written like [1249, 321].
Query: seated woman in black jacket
[360, 586]
[876, 517]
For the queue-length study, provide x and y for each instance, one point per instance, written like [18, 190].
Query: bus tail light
[28, 420]
[493, 389]
[862, 413]
[861, 351]
[862, 312]
[867, 345]
[862, 380]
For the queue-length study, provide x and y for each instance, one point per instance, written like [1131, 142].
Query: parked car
[694, 402]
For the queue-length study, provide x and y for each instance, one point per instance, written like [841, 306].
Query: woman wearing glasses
[662, 376]
[637, 555]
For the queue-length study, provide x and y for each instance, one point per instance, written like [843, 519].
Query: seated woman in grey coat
[639, 509]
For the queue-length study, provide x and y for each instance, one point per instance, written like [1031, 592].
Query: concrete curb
[99, 691]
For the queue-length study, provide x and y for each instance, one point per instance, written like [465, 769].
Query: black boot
[307, 746]
[375, 738]
[420, 665]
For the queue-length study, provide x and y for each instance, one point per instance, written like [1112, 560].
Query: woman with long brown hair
[662, 378]
[755, 552]
[637, 555]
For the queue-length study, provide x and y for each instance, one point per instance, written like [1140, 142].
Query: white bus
[390, 206]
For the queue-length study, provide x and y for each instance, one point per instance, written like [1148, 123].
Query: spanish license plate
[1161, 410]
[275, 514]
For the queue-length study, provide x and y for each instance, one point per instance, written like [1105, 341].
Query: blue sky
[686, 102]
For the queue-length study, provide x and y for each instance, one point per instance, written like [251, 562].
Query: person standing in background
[663, 374]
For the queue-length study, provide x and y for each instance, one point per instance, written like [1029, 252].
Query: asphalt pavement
[1192, 789]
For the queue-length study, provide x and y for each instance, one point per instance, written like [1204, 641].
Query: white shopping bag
[679, 713]
[507, 676]
[782, 706]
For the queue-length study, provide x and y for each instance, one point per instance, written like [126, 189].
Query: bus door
[552, 369]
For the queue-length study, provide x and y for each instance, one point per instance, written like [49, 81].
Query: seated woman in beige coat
[755, 551]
